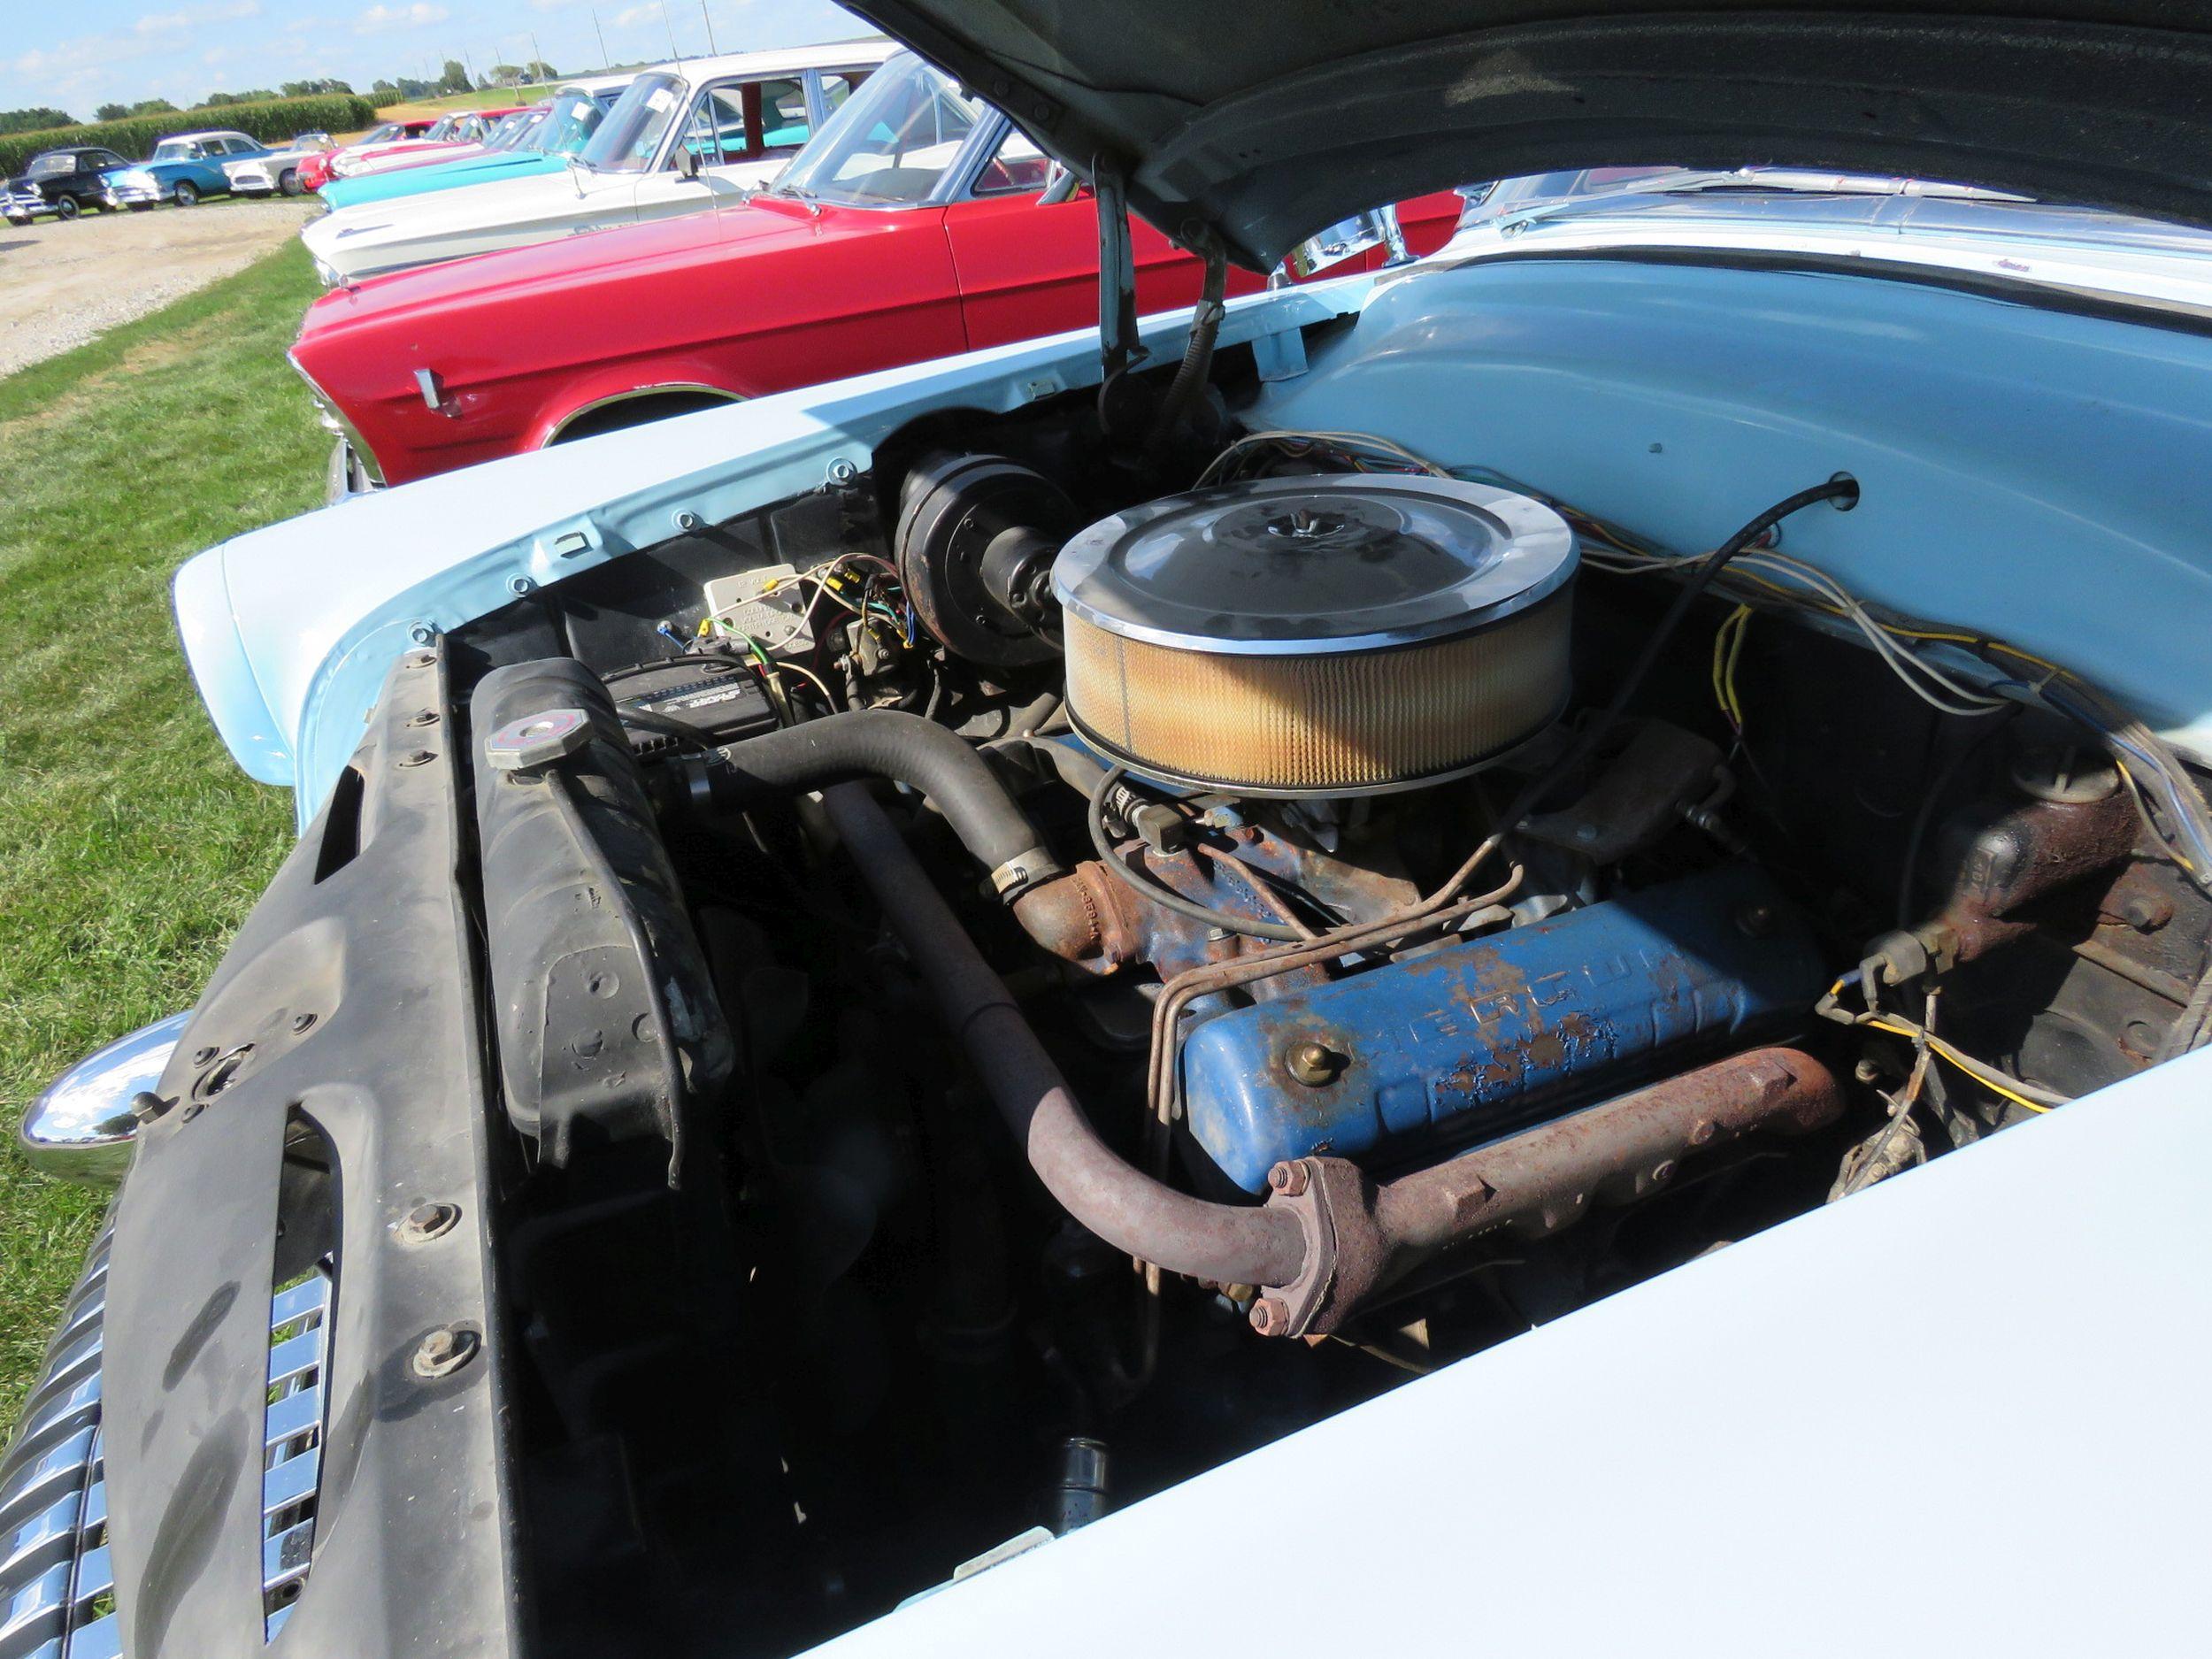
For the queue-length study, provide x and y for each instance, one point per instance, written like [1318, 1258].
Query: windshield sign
[888, 144]
[568, 129]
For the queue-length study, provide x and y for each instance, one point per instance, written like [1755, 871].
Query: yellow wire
[1727, 642]
[1735, 650]
[1945, 1051]
[2135, 790]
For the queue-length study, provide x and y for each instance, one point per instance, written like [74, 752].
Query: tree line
[400, 89]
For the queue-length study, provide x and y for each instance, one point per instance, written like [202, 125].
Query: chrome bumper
[126, 195]
[57, 1584]
[80, 1128]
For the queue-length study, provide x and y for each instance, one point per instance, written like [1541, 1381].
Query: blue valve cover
[1477, 1039]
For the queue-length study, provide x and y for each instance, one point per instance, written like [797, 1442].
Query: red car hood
[588, 259]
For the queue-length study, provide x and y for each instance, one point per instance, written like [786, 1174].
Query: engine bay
[1037, 969]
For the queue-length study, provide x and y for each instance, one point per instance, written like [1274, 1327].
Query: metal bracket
[1118, 347]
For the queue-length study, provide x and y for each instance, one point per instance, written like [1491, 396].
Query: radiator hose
[905, 748]
[1226, 1243]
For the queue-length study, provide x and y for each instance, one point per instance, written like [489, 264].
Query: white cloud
[635, 15]
[168, 22]
[380, 18]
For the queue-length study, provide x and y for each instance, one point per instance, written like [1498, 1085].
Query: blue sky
[80, 55]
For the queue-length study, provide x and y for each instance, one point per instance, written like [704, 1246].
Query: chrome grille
[56, 1588]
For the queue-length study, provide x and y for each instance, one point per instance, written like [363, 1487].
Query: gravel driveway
[63, 283]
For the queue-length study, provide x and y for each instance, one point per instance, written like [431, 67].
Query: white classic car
[684, 137]
[278, 174]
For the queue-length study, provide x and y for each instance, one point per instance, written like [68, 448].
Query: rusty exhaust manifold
[1328, 1238]
[1362, 1237]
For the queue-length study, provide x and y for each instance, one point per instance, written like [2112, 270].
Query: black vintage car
[62, 182]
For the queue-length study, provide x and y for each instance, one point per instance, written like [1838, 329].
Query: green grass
[130, 844]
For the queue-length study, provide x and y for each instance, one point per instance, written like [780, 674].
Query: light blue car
[1509, 955]
[541, 142]
[184, 169]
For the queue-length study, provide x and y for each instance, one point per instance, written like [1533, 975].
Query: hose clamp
[1024, 871]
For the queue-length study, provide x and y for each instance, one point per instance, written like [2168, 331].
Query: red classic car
[315, 172]
[919, 223]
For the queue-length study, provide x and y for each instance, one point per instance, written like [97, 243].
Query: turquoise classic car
[540, 146]
[183, 168]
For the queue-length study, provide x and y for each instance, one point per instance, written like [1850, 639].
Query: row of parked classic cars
[187, 168]
[756, 222]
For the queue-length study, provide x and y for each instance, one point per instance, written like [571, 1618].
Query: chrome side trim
[80, 1127]
[57, 1586]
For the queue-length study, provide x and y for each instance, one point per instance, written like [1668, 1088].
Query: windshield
[890, 141]
[175, 149]
[383, 135]
[447, 128]
[49, 165]
[630, 137]
[510, 130]
[567, 127]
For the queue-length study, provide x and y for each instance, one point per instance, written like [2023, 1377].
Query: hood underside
[1264, 124]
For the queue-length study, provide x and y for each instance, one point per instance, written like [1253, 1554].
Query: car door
[1027, 267]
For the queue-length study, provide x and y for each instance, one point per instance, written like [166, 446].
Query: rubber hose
[906, 748]
[1229, 1244]
[1198, 351]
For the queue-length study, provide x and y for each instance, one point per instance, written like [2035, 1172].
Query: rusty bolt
[1701, 1132]
[2144, 913]
[428, 1221]
[445, 1351]
[419, 757]
[1310, 1063]
[1289, 1180]
[1270, 1317]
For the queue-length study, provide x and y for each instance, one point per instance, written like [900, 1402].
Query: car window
[837, 87]
[108, 158]
[242, 147]
[719, 133]
[174, 150]
[1016, 166]
[783, 116]
[891, 142]
[49, 167]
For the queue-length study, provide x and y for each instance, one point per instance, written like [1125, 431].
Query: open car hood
[1266, 124]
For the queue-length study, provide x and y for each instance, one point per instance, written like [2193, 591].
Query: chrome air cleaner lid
[1312, 566]
[1318, 636]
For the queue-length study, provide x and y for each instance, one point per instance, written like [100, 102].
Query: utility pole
[712, 50]
[602, 34]
[468, 64]
[537, 58]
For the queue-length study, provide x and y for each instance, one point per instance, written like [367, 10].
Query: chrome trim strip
[335, 421]
[657, 389]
